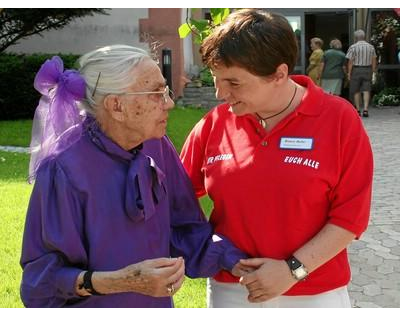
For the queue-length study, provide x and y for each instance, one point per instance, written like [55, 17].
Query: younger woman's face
[245, 92]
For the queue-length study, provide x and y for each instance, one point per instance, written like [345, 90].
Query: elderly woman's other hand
[240, 269]
[155, 277]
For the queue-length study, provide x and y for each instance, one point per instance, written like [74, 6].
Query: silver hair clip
[97, 82]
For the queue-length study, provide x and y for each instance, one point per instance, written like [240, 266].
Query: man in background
[361, 66]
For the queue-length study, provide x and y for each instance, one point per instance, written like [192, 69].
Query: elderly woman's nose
[169, 104]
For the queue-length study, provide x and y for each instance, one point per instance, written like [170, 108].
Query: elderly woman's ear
[112, 105]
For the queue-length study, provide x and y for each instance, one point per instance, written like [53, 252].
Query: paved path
[375, 258]
[14, 149]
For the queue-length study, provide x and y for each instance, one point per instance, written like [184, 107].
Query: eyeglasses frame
[165, 93]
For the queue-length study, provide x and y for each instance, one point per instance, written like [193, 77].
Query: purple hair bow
[57, 123]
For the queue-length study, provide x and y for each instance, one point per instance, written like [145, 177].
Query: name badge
[296, 143]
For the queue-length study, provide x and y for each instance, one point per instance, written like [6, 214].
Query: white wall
[121, 26]
[187, 45]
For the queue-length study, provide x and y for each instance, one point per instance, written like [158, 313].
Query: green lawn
[180, 122]
[15, 133]
[14, 198]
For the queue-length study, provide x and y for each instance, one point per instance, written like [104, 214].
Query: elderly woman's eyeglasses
[164, 93]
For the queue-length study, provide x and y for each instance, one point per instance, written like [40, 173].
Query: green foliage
[21, 23]
[383, 24]
[388, 96]
[206, 78]
[202, 28]
[218, 15]
[18, 98]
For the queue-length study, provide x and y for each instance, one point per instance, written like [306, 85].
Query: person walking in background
[361, 67]
[333, 68]
[288, 167]
[112, 220]
[314, 68]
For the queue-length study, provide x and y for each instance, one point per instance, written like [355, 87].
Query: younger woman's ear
[281, 74]
[113, 107]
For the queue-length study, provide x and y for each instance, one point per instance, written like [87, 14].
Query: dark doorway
[327, 26]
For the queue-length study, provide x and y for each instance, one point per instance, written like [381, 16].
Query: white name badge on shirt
[296, 143]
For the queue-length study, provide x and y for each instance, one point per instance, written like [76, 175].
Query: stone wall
[198, 96]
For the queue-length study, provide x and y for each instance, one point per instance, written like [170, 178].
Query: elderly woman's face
[146, 114]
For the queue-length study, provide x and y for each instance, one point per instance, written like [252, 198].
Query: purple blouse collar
[144, 187]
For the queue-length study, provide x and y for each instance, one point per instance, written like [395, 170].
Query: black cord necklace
[262, 120]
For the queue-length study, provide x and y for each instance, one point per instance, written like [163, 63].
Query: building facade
[157, 29]
[150, 29]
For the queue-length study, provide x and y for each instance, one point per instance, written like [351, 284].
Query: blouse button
[264, 143]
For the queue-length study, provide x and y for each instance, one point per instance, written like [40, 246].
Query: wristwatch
[298, 270]
[87, 283]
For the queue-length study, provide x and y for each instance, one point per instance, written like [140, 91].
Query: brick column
[162, 26]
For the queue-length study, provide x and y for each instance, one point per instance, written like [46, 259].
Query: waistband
[362, 66]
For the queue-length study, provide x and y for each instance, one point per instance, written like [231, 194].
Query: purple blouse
[96, 206]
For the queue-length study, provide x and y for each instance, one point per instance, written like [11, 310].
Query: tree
[201, 28]
[20, 23]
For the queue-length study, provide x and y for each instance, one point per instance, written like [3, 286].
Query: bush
[388, 96]
[206, 78]
[18, 97]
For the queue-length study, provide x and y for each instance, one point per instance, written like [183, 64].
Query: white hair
[108, 70]
[359, 35]
[336, 44]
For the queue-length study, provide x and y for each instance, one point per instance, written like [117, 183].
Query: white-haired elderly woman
[112, 220]
[334, 68]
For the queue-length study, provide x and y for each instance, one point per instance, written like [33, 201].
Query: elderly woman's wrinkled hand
[155, 277]
[240, 269]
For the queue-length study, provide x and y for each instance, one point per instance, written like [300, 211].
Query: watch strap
[293, 263]
[87, 283]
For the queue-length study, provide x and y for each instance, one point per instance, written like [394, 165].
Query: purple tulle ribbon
[57, 123]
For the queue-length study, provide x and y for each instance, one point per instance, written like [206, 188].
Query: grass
[180, 122]
[15, 133]
[14, 198]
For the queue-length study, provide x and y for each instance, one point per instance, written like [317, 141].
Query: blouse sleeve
[192, 237]
[53, 253]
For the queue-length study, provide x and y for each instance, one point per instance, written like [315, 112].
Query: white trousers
[220, 294]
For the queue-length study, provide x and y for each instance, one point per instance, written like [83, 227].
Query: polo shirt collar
[311, 104]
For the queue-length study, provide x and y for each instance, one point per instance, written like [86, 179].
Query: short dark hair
[256, 40]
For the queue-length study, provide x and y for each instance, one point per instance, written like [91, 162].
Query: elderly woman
[112, 220]
[333, 68]
[314, 68]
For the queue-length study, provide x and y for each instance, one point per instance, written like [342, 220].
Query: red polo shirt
[273, 191]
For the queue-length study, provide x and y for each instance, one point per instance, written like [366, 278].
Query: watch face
[300, 273]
